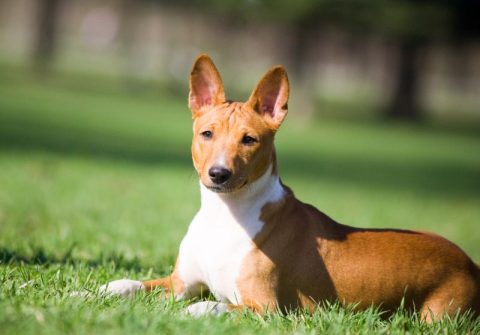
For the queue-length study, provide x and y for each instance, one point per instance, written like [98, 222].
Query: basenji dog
[253, 245]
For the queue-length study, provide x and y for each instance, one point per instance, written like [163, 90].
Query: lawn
[96, 184]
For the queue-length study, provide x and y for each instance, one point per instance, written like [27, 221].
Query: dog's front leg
[127, 287]
[171, 284]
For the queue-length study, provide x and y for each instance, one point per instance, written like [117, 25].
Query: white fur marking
[220, 236]
[28, 283]
[203, 308]
[121, 287]
[221, 161]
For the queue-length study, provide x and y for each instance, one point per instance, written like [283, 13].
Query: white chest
[213, 251]
[220, 236]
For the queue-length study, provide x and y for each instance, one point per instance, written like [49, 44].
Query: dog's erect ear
[206, 87]
[270, 97]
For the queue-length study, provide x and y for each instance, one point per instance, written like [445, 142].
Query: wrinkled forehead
[230, 117]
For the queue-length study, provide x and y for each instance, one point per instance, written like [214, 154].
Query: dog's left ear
[270, 97]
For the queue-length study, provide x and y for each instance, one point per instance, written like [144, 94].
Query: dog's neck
[245, 204]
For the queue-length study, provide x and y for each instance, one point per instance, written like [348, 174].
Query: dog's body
[253, 244]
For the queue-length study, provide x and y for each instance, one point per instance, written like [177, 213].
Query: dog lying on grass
[254, 245]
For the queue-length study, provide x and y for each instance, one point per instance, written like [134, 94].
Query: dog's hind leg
[455, 295]
[216, 308]
[122, 287]
[204, 308]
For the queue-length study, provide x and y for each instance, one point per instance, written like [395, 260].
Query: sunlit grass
[96, 184]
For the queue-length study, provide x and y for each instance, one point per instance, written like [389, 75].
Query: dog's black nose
[219, 174]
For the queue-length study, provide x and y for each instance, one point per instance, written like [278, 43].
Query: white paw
[207, 308]
[28, 283]
[121, 287]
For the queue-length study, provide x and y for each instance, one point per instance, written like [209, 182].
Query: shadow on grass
[38, 256]
[30, 136]
[430, 178]
[423, 177]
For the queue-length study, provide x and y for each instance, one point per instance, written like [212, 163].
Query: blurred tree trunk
[303, 32]
[297, 54]
[404, 103]
[299, 48]
[132, 57]
[46, 33]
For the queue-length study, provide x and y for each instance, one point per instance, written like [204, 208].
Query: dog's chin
[227, 188]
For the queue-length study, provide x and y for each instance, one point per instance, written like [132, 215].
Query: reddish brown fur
[229, 122]
[171, 284]
[302, 257]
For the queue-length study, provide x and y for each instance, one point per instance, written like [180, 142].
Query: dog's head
[232, 141]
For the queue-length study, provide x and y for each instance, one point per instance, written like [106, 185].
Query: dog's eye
[207, 134]
[248, 140]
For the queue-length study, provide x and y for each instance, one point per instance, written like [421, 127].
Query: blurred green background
[96, 180]
[383, 130]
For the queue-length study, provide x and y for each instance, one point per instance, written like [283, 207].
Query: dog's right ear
[206, 86]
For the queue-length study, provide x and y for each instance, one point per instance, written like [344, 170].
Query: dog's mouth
[226, 188]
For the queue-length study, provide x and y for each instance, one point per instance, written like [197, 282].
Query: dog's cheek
[197, 156]
[253, 163]
[264, 157]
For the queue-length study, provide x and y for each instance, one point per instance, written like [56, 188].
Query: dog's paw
[206, 308]
[121, 287]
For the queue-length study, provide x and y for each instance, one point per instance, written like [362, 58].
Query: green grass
[96, 184]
